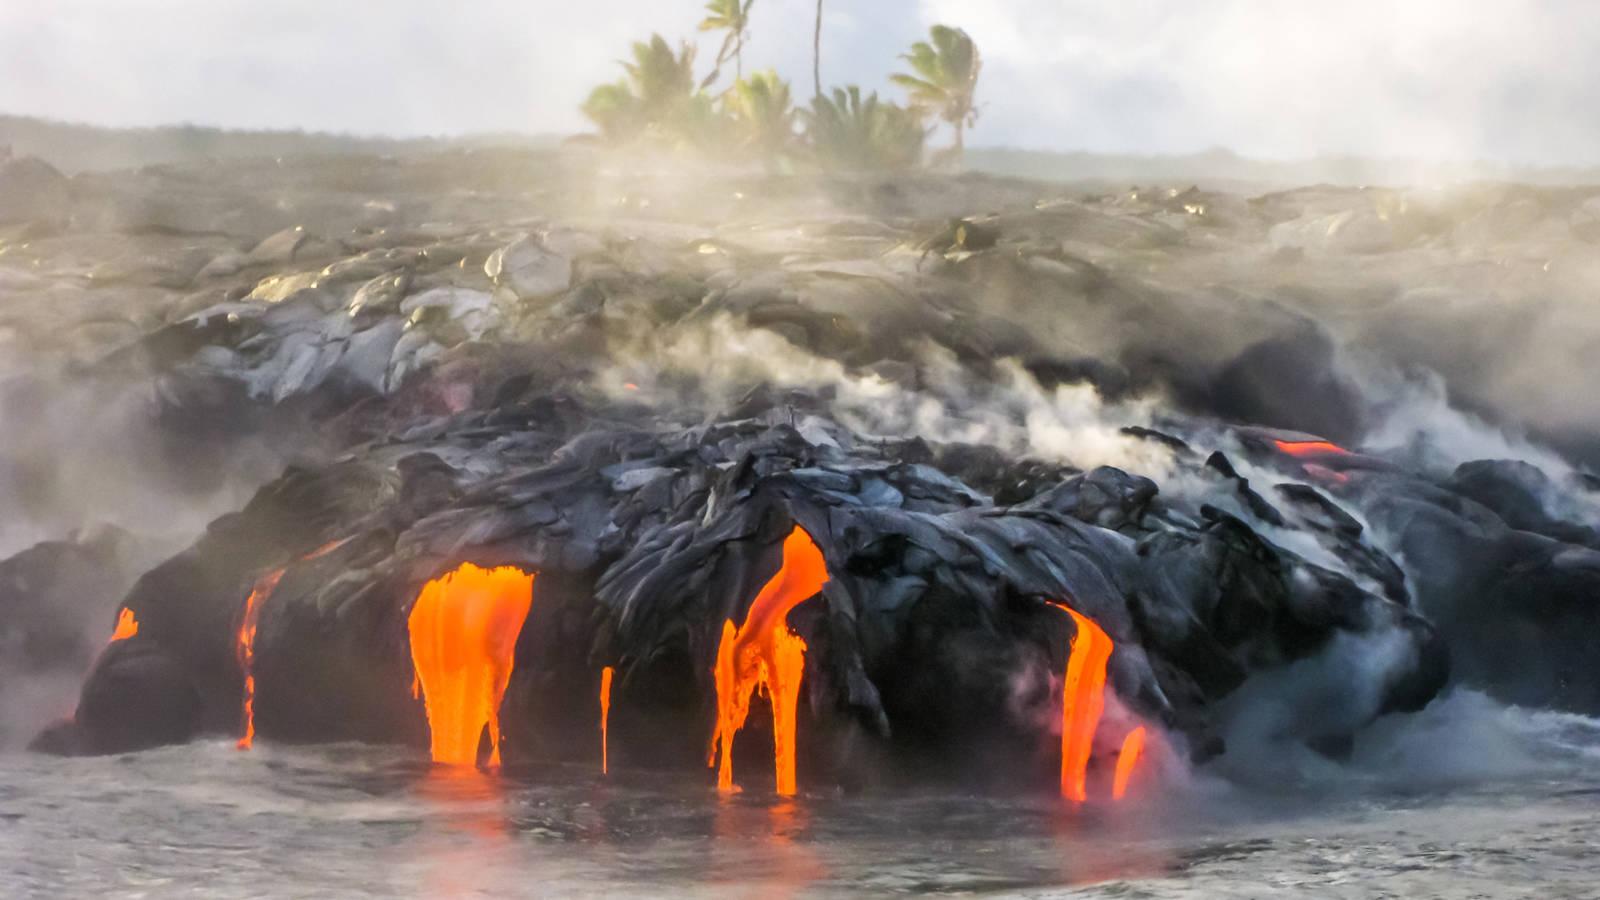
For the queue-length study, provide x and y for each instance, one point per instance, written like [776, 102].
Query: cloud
[1444, 79]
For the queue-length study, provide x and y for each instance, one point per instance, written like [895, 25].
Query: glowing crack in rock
[1311, 448]
[763, 654]
[463, 631]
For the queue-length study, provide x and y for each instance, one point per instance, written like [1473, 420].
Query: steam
[1414, 420]
[93, 463]
[1326, 696]
[946, 402]
[1465, 737]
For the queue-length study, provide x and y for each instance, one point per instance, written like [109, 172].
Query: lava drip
[605, 714]
[245, 649]
[245, 642]
[463, 631]
[1127, 761]
[127, 626]
[1082, 702]
[763, 654]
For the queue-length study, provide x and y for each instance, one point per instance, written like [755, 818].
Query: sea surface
[1469, 799]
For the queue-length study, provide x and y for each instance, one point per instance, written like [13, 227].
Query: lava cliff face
[1145, 408]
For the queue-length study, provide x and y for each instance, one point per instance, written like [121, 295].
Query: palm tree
[853, 134]
[816, 55]
[662, 81]
[946, 77]
[734, 17]
[656, 95]
[765, 113]
[615, 111]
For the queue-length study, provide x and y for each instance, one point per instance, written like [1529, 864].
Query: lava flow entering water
[764, 654]
[245, 641]
[605, 714]
[463, 631]
[1127, 761]
[246, 650]
[1082, 702]
[127, 626]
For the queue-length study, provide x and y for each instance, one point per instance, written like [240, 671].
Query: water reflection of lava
[477, 832]
[763, 848]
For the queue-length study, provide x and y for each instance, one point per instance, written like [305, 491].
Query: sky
[1459, 80]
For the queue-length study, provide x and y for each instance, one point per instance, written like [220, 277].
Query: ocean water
[1468, 799]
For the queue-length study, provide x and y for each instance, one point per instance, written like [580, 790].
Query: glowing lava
[245, 649]
[1127, 761]
[127, 626]
[1082, 702]
[1310, 448]
[763, 654]
[605, 713]
[464, 630]
[245, 642]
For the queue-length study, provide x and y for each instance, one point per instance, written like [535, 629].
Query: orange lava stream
[605, 714]
[464, 630]
[1127, 762]
[1310, 448]
[763, 654]
[127, 626]
[245, 642]
[245, 649]
[1082, 702]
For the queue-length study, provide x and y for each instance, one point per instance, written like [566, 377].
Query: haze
[1497, 80]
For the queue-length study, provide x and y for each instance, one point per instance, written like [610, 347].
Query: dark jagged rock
[136, 697]
[1520, 493]
[646, 541]
[1518, 609]
[48, 591]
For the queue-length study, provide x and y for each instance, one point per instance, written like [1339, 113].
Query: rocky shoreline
[1239, 433]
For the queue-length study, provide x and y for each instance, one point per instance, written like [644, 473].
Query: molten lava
[1082, 702]
[245, 649]
[245, 643]
[1310, 448]
[605, 713]
[464, 630]
[1127, 761]
[763, 654]
[127, 626]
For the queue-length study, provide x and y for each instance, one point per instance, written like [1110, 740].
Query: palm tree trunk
[816, 53]
[961, 143]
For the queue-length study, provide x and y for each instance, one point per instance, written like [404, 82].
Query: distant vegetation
[659, 104]
[76, 148]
